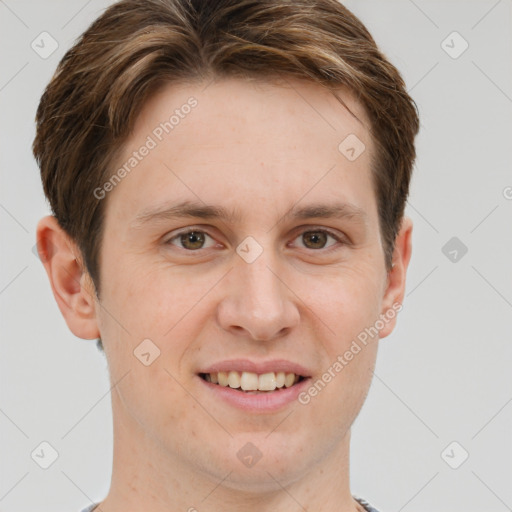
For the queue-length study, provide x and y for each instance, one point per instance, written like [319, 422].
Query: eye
[317, 238]
[195, 239]
[191, 240]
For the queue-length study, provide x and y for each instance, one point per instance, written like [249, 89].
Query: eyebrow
[194, 209]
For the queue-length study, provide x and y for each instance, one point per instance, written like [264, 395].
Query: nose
[257, 303]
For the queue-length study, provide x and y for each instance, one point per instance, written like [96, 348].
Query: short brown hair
[90, 105]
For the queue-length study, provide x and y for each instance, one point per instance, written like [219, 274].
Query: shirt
[364, 503]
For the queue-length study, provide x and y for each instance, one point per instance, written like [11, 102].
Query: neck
[149, 476]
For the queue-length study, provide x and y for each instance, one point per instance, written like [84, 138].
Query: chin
[262, 462]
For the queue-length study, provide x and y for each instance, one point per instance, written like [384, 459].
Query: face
[244, 247]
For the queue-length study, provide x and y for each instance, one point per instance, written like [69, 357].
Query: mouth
[253, 383]
[252, 386]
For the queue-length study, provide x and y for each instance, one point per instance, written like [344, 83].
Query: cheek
[348, 308]
[152, 396]
[155, 299]
[347, 305]
[165, 307]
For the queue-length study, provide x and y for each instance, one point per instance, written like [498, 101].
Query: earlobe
[71, 285]
[396, 280]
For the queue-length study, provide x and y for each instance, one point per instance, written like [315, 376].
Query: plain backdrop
[442, 389]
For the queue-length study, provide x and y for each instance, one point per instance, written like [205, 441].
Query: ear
[71, 285]
[395, 286]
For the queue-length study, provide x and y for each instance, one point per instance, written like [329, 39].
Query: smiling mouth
[249, 382]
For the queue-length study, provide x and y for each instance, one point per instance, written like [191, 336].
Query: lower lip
[261, 402]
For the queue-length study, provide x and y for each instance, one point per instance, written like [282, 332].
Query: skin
[260, 149]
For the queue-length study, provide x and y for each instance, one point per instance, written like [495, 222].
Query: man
[228, 182]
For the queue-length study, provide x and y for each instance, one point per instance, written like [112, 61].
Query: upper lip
[246, 365]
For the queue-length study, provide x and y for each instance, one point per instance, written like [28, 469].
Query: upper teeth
[249, 381]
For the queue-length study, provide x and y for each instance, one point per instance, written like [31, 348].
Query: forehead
[244, 142]
[236, 101]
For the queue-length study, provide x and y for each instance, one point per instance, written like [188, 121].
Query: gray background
[443, 375]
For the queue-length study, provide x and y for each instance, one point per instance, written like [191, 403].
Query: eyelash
[336, 237]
